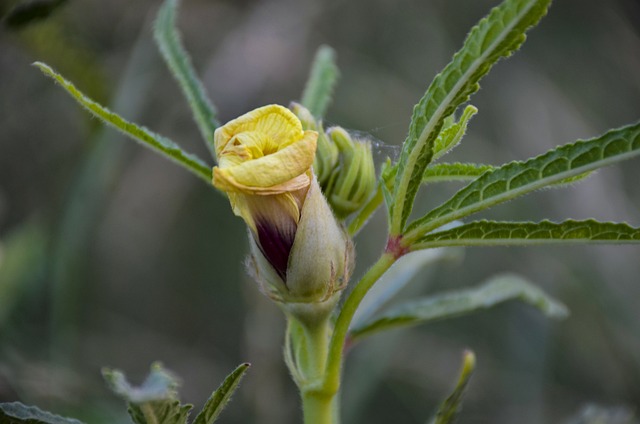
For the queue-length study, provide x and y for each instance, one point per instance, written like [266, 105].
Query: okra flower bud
[353, 180]
[299, 253]
[327, 153]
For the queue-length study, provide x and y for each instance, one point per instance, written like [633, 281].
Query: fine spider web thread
[381, 150]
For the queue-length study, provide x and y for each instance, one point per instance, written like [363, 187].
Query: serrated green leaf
[450, 408]
[500, 289]
[17, 413]
[156, 142]
[456, 171]
[221, 396]
[491, 233]
[155, 401]
[452, 134]
[496, 36]
[321, 83]
[518, 178]
[179, 62]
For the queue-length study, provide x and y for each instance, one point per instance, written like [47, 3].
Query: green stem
[316, 344]
[331, 382]
[319, 407]
[363, 216]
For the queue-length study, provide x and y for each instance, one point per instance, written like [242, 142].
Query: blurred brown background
[112, 256]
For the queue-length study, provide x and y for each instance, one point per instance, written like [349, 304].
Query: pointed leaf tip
[221, 396]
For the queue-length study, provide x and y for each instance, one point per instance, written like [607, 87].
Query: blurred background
[112, 256]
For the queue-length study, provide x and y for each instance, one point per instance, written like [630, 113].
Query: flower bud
[327, 153]
[353, 180]
[319, 263]
[299, 253]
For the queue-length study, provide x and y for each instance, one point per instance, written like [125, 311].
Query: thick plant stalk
[318, 406]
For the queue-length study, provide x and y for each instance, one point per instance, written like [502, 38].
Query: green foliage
[450, 408]
[500, 289]
[517, 178]
[17, 413]
[397, 278]
[490, 233]
[22, 262]
[456, 171]
[156, 142]
[314, 353]
[496, 36]
[445, 172]
[221, 396]
[321, 83]
[155, 401]
[179, 63]
[452, 134]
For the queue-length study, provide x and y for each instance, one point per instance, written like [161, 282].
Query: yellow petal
[274, 121]
[284, 170]
[282, 210]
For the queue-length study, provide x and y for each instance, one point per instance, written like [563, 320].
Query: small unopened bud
[327, 152]
[306, 118]
[354, 179]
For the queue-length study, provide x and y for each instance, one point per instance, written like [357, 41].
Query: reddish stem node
[395, 247]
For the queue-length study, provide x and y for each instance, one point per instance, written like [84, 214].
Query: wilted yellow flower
[264, 165]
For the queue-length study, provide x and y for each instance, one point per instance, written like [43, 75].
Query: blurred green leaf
[17, 413]
[179, 63]
[397, 277]
[518, 178]
[321, 83]
[451, 135]
[495, 36]
[450, 408]
[156, 142]
[595, 414]
[22, 261]
[491, 233]
[28, 12]
[219, 398]
[155, 401]
[499, 289]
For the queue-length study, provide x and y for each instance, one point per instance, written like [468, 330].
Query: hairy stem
[331, 382]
